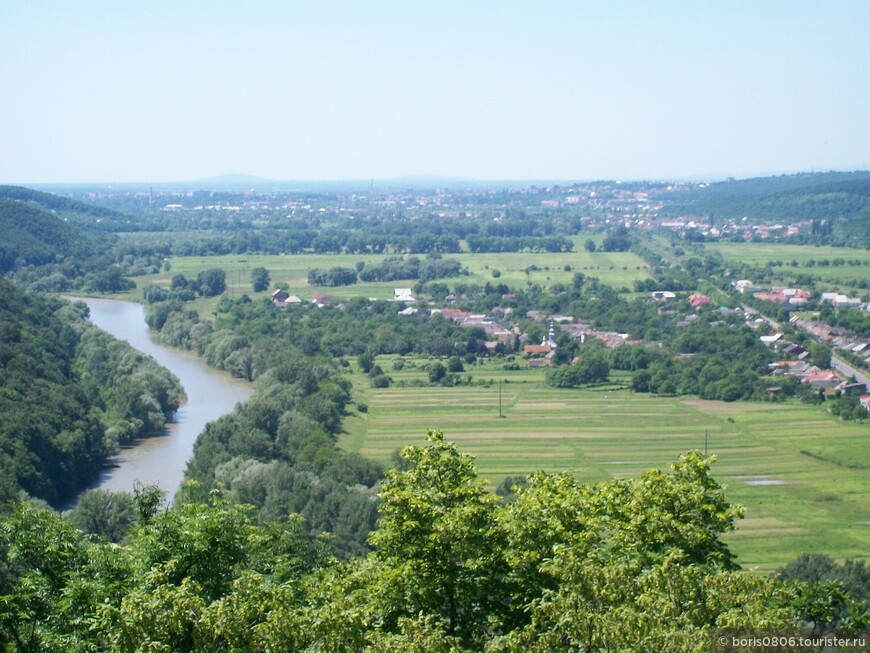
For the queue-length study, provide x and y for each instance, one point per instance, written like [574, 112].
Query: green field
[794, 502]
[796, 260]
[618, 269]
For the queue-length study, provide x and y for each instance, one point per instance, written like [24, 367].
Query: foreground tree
[627, 565]
[437, 542]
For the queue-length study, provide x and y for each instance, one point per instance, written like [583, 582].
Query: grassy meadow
[618, 269]
[800, 473]
[796, 260]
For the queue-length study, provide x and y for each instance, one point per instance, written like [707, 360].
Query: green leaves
[628, 565]
[437, 539]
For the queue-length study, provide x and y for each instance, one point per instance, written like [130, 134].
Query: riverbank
[162, 460]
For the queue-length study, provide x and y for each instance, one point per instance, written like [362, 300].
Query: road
[837, 364]
[844, 368]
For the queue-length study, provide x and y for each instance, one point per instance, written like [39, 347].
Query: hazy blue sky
[172, 90]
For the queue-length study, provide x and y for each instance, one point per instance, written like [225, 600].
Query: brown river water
[161, 460]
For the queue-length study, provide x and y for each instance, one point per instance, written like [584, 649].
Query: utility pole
[499, 399]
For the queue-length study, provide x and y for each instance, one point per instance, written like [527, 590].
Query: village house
[403, 295]
[280, 295]
[282, 298]
[785, 296]
[827, 379]
[697, 300]
[795, 350]
[744, 286]
[452, 314]
[546, 348]
[840, 301]
[857, 388]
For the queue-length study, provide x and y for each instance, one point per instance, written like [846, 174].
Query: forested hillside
[69, 394]
[52, 244]
[33, 236]
[84, 216]
[838, 203]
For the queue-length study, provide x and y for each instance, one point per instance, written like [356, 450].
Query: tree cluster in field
[335, 276]
[629, 564]
[719, 362]
[392, 268]
[714, 361]
[591, 367]
[69, 395]
[208, 283]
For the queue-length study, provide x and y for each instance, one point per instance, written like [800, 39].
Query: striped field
[801, 474]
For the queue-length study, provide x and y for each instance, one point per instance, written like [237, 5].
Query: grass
[618, 269]
[801, 474]
[844, 276]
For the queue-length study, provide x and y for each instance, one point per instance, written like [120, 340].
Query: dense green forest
[69, 395]
[32, 236]
[81, 215]
[630, 564]
[45, 252]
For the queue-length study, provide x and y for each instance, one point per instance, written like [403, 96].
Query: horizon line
[243, 178]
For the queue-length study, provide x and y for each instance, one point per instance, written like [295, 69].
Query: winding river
[161, 460]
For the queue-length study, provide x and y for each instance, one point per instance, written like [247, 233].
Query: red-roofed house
[828, 379]
[455, 314]
[696, 300]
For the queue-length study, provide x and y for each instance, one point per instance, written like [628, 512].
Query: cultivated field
[835, 266]
[801, 474]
